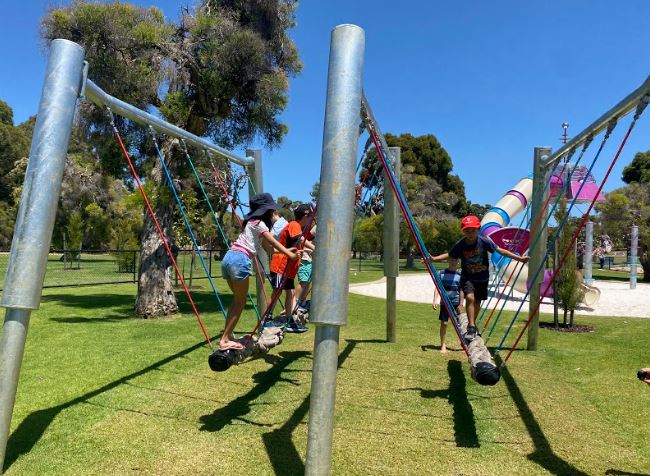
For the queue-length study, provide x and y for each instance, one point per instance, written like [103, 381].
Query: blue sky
[490, 79]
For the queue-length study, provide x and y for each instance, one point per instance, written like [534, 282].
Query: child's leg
[298, 291]
[443, 336]
[288, 301]
[239, 290]
[306, 286]
[470, 306]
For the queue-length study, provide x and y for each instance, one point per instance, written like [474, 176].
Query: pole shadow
[543, 454]
[241, 406]
[464, 422]
[283, 454]
[32, 428]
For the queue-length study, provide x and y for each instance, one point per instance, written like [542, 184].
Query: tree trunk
[155, 292]
[571, 318]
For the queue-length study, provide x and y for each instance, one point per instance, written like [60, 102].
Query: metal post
[589, 251]
[35, 221]
[634, 250]
[391, 247]
[537, 253]
[334, 236]
[256, 185]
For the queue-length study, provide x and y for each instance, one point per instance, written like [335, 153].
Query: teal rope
[187, 223]
[214, 215]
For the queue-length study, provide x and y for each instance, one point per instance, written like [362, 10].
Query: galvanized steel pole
[538, 236]
[95, 94]
[35, 221]
[334, 236]
[634, 250]
[588, 253]
[256, 185]
[391, 246]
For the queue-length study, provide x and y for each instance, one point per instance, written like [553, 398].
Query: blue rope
[534, 241]
[418, 237]
[187, 224]
[358, 217]
[503, 262]
[498, 278]
[542, 264]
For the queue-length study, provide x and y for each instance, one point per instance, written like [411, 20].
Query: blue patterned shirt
[451, 283]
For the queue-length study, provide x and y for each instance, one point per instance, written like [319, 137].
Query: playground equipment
[65, 83]
[495, 225]
[344, 95]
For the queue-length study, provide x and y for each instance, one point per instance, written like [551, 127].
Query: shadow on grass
[30, 430]
[624, 473]
[282, 452]
[464, 424]
[543, 454]
[93, 301]
[241, 406]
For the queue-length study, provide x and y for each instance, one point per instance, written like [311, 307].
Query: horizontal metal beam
[95, 94]
[621, 109]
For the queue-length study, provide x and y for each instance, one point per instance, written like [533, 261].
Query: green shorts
[304, 272]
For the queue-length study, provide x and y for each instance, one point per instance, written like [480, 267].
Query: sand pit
[616, 298]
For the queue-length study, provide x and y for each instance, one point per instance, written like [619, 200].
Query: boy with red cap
[472, 250]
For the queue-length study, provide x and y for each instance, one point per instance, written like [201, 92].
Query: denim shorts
[236, 265]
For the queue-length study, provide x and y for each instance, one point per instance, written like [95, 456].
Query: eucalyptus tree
[221, 71]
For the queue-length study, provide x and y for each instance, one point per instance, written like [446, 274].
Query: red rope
[571, 243]
[412, 230]
[161, 234]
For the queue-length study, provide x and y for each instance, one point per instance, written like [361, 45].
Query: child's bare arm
[292, 253]
[510, 254]
[439, 258]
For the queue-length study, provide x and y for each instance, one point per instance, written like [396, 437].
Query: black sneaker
[471, 333]
[295, 327]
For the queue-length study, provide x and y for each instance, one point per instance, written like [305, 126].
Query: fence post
[391, 247]
[589, 252]
[35, 220]
[634, 251]
[135, 262]
[537, 235]
[334, 236]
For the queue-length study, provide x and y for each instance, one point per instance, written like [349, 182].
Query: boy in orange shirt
[291, 236]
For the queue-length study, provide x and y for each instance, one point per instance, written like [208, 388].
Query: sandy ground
[616, 298]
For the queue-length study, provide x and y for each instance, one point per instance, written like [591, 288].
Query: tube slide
[495, 224]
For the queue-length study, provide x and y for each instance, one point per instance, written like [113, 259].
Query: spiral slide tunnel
[495, 224]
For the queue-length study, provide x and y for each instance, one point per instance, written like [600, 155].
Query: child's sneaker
[295, 327]
[471, 333]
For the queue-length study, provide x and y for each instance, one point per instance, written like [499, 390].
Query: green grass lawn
[102, 393]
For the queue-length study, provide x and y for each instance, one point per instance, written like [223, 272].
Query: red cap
[470, 221]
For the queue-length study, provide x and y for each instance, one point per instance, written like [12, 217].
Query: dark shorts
[276, 280]
[444, 315]
[478, 288]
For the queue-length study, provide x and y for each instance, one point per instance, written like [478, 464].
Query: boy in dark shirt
[472, 250]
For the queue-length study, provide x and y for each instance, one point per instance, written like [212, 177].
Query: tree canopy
[222, 72]
[624, 207]
[639, 169]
